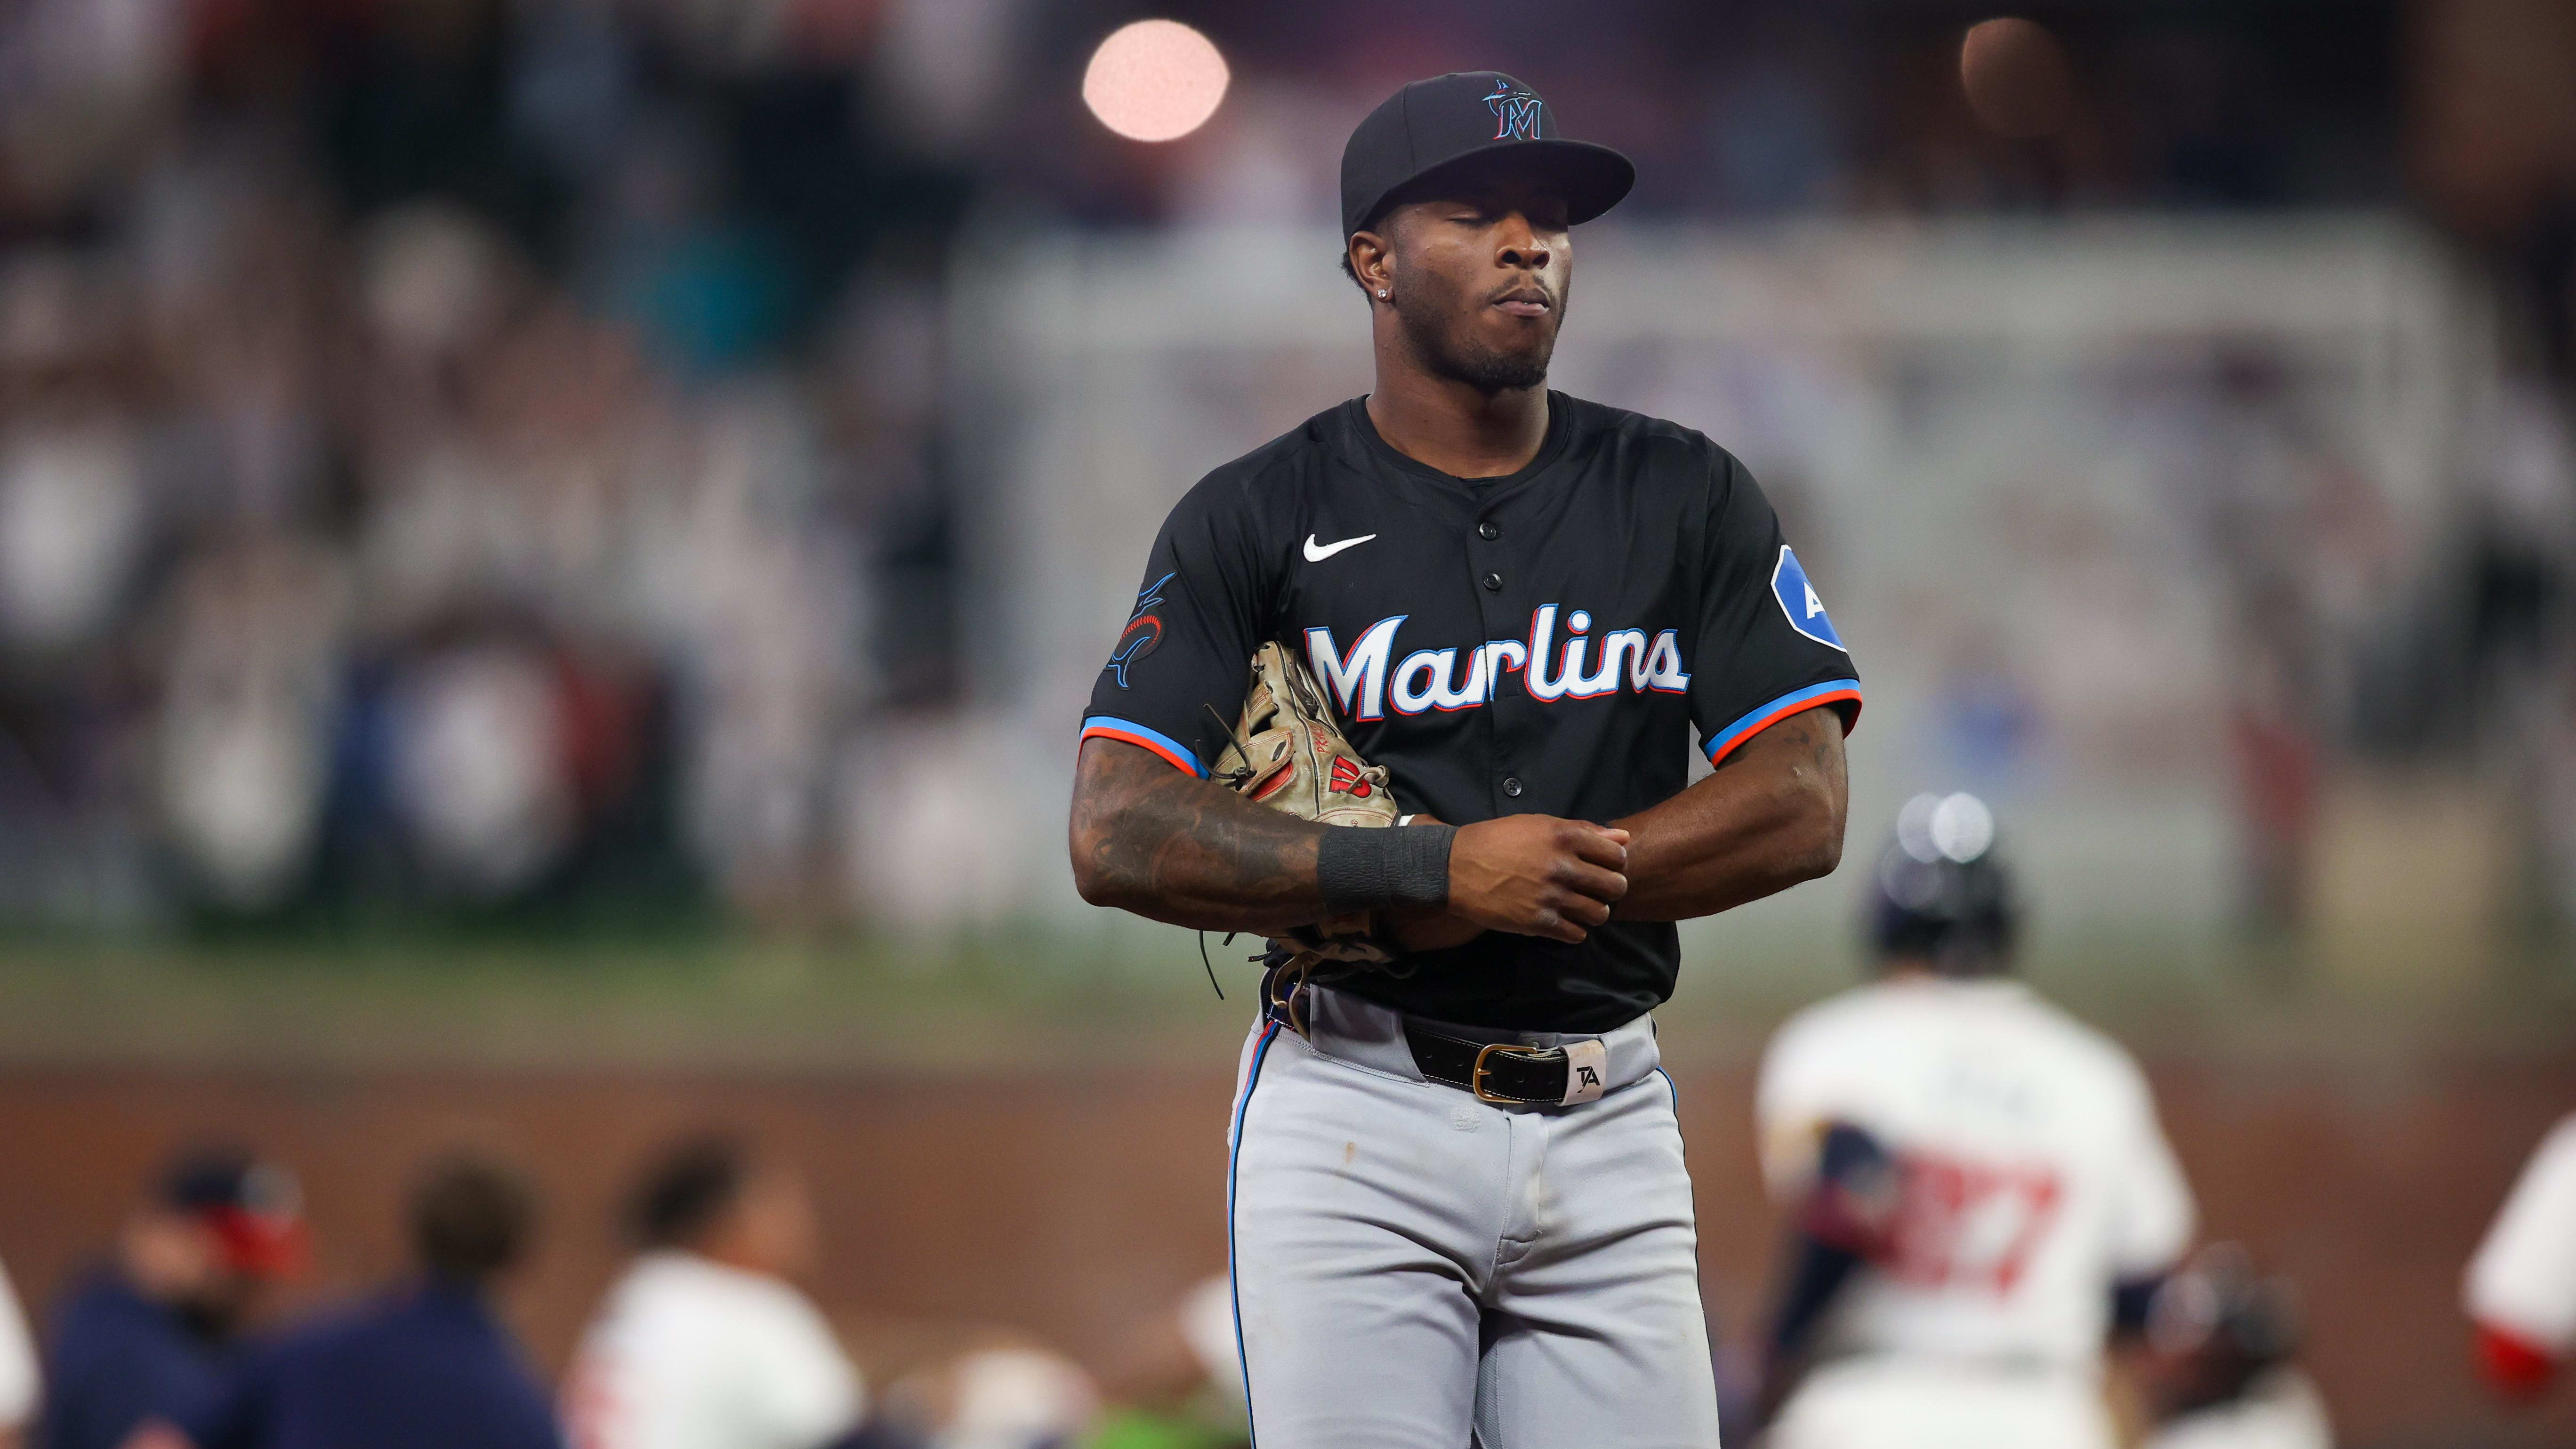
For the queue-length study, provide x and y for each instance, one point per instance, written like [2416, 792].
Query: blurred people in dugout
[2521, 1288]
[2216, 1369]
[706, 1342]
[425, 1366]
[1979, 1184]
[149, 1336]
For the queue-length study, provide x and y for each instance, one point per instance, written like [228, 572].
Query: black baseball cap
[1451, 120]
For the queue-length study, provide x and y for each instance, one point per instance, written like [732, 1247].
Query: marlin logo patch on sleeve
[1798, 600]
[1144, 630]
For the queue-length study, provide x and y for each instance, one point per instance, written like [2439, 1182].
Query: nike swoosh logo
[1316, 554]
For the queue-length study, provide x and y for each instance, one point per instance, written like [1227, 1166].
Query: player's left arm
[1843, 1217]
[1770, 816]
[1772, 692]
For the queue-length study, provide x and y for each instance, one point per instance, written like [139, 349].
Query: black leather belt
[1495, 1071]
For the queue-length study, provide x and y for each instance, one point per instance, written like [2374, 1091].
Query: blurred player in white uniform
[2522, 1283]
[1979, 1182]
[1179, 1375]
[706, 1343]
[19, 1375]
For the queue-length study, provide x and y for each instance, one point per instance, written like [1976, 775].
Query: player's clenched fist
[1537, 875]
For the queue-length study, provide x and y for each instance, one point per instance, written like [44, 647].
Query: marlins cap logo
[1798, 600]
[1516, 112]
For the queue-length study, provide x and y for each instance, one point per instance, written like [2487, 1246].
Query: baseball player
[19, 1372]
[705, 1343]
[2521, 1287]
[1457, 1200]
[149, 1337]
[1979, 1183]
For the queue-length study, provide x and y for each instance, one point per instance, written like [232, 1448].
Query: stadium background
[549, 550]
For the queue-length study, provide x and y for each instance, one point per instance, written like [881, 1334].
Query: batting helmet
[1940, 896]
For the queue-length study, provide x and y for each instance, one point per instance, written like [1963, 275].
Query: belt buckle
[1476, 1078]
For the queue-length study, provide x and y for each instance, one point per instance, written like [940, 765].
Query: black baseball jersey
[1541, 642]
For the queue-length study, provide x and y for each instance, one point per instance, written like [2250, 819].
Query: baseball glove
[1289, 755]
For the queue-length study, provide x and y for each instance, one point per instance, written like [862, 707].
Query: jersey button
[1493, 583]
[1489, 530]
[1512, 786]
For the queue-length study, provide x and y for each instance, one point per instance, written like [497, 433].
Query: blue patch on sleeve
[1798, 600]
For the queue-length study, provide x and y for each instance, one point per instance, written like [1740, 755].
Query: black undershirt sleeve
[2131, 1301]
[1817, 1271]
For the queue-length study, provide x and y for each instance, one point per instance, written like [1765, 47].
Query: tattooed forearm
[1770, 817]
[1149, 839]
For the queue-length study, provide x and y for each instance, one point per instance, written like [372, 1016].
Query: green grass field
[700, 994]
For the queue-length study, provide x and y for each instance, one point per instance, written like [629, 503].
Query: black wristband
[1362, 869]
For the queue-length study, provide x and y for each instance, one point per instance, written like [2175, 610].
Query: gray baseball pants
[1411, 1263]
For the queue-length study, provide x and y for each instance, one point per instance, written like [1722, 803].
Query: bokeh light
[1154, 80]
[2017, 78]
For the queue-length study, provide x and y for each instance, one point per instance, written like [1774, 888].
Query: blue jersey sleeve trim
[1754, 721]
[1109, 727]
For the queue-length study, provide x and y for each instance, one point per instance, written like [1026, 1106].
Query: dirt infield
[1074, 1206]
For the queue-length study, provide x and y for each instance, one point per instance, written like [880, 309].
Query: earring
[1381, 294]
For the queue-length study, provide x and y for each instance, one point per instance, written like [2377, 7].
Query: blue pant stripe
[1234, 1287]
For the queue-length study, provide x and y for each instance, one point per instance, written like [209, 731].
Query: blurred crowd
[463, 454]
[449, 453]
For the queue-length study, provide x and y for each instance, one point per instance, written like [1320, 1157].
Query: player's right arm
[1147, 838]
[1152, 834]
[1171, 847]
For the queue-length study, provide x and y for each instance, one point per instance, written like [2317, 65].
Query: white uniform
[687, 1353]
[2035, 1176]
[19, 1375]
[2523, 1280]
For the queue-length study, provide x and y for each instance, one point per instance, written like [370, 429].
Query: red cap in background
[254, 1207]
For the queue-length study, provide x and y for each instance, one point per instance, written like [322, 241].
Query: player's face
[775, 1220]
[178, 1258]
[1480, 282]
